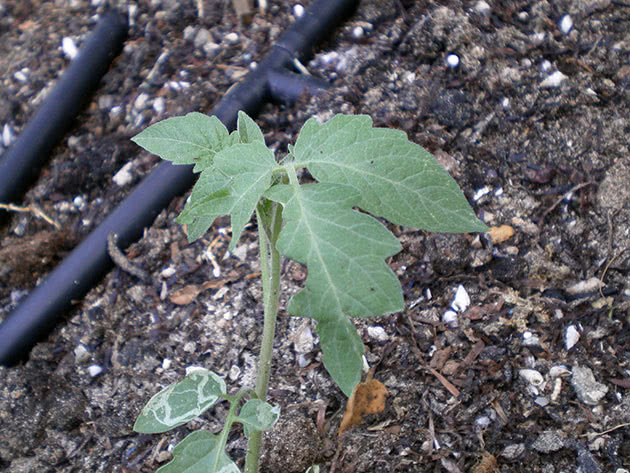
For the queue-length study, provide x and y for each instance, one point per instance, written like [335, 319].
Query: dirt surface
[526, 107]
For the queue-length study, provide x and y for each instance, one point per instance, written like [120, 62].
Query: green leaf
[192, 139]
[257, 415]
[199, 452]
[181, 402]
[345, 253]
[210, 192]
[397, 179]
[249, 131]
[240, 175]
[342, 351]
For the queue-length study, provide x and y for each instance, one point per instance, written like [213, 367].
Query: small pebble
[159, 105]
[211, 49]
[189, 33]
[166, 363]
[482, 8]
[131, 12]
[202, 37]
[69, 48]
[571, 337]
[81, 353]
[587, 389]
[7, 135]
[461, 301]
[449, 318]
[167, 272]
[357, 32]
[377, 333]
[554, 80]
[481, 193]
[231, 38]
[123, 176]
[566, 23]
[513, 451]
[549, 441]
[79, 202]
[22, 74]
[95, 370]
[452, 60]
[298, 10]
[141, 101]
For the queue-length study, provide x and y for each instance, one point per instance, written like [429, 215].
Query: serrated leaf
[192, 139]
[181, 402]
[199, 452]
[210, 192]
[345, 253]
[257, 415]
[240, 175]
[397, 179]
[249, 131]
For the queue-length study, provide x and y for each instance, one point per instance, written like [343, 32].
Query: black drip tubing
[37, 315]
[19, 164]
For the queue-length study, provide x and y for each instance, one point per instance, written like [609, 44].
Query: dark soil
[532, 123]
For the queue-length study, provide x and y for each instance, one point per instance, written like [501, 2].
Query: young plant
[356, 166]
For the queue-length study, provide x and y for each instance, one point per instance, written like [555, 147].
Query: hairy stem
[269, 225]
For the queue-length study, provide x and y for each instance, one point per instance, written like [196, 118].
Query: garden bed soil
[525, 103]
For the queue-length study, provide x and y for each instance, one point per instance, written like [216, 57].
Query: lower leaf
[342, 351]
[199, 452]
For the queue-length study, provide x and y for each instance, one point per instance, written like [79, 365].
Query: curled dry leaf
[367, 398]
[185, 295]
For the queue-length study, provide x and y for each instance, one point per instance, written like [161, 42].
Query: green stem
[223, 436]
[269, 226]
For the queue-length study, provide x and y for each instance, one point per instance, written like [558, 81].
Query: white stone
[298, 10]
[68, 47]
[482, 8]
[95, 370]
[22, 74]
[481, 193]
[452, 60]
[449, 318]
[566, 23]
[167, 272]
[7, 135]
[554, 80]
[571, 337]
[377, 333]
[166, 363]
[141, 101]
[462, 299]
[357, 32]
[79, 202]
[131, 12]
[159, 105]
[123, 176]
[231, 38]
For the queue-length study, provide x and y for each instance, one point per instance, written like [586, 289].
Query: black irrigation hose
[89, 262]
[20, 163]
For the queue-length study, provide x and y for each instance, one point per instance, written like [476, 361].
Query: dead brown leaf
[185, 295]
[367, 398]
